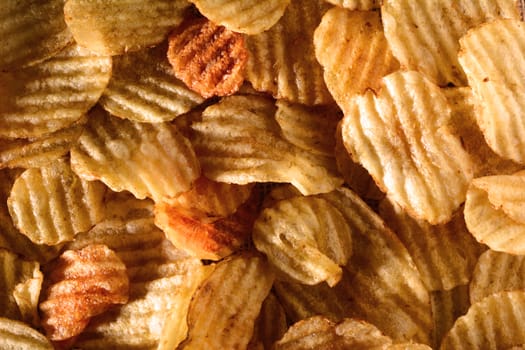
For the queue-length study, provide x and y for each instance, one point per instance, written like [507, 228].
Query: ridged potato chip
[114, 27]
[223, 311]
[491, 55]
[306, 239]
[402, 138]
[250, 17]
[282, 59]
[497, 272]
[239, 141]
[144, 88]
[493, 323]
[34, 31]
[148, 160]
[360, 5]
[424, 35]
[493, 212]
[125, 206]
[270, 326]
[16, 335]
[354, 53]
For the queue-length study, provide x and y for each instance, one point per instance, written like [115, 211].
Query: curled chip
[492, 57]
[424, 35]
[53, 94]
[495, 321]
[209, 59]
[243, 16]
[20, 336]
[282, 60]
[270, 325]
[148, 160]
[81, 284]
[402, 138]
[223, 311]
[51, 204]
[305, 238]
[361, 5]
[354, 53]
[114, 27]
[33, 31]
[239, 141]
[497, 272]
[494, 214]
[144, 88]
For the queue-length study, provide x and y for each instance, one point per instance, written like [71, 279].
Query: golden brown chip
[148, 160]
[282, 60]
[402, 138]
[270, 325]
[125, 206]
[224, 309]
[493, 323]
[32, 31]
[144, 88]
[79, 285]
[19, 336]
[53, 94]
[492, 57]
[361, 5]
[113, 27]
[424, 35]
[243, 16]
[209, 59]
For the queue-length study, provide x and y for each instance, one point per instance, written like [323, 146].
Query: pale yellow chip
[243, 16]
[424, 35]
[493, 323]
[143, 88]
[360, 5]
[492, 212]
[53, 94]
[114, 27]
[33, 31]
[224, 309]
[445, 254]
[354, 53]
[16, 335]
[125, 206]
[239, 141]
[270, 326]
[148, 160]
[282, 60]
[306, 239]
[402, 138]
[492, 57]
[497, 272]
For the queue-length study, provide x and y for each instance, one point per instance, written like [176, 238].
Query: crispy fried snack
[20, 336]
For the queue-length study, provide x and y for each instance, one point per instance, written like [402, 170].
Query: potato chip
[492, 212]
[445, 254]
[354, 53]
[497, 272]
[239, 141]
[53, 94]
[401, 137]
[33, 31]
[306, 239]
[51, 204]
[270, 325]
[250, 17]
[282, 60]
[493, 323]
[79, 285]
[224, 309]
[424, 35]
[125, 206]
[15, 335]
[361, 5]
[491, 55]
[26, 296]
[115, 27]
[148, 160]
[144, 88]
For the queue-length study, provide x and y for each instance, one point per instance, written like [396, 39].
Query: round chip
[15, 335]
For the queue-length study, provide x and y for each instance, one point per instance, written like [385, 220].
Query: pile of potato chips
[262, 174]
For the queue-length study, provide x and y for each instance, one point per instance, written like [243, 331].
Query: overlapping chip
[402, 138]
[360, 5]
[115, 27]
[239, 141]
[51, 204]
[492, 57]
[424, 35]
[20, 336]
[148, 160]
[270, 326]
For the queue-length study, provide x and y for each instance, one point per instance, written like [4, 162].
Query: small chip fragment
[360, 5]
[16, 335]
